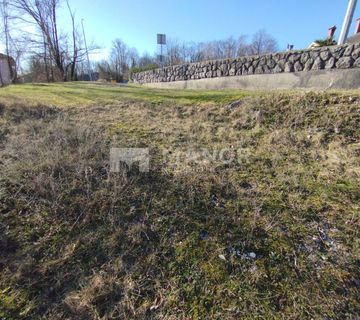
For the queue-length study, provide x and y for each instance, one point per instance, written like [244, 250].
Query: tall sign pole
[347, 21]
[87, 52]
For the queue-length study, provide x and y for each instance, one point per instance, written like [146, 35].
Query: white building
[7, 70]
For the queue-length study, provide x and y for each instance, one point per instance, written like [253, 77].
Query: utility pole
[347, 21]
[87, 52]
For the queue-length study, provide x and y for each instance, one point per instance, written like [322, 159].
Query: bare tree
[44, 14]
[75, 45]
[133, 57]
[175, 52]
[195, 52]
[212, 50]
[124, 61]
[60, 52]
[119, 58]
[146, 60]
[105, 70]
[230, 47]
[242, 48]
[263, 43]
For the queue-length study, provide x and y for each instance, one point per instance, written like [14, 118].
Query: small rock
[245, 185]
[234, 105]
[253, 269]
[252, 255]
[204, 235]
[217, 203]
[352, 99]
[222, 257]
[326, 243]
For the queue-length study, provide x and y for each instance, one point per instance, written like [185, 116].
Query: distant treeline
[45, 52]
[123, 60]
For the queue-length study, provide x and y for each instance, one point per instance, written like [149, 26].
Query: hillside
[273, 234]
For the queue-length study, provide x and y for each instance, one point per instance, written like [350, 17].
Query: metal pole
[347, 21]
[161, 55]
[87, 52]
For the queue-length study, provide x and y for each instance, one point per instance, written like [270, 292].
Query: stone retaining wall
[334, 57]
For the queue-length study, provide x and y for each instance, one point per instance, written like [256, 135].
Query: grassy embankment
[273, 235]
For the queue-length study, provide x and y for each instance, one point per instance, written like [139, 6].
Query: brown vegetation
[272, 236]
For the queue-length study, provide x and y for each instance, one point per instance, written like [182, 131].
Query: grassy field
[273, 234]
[83, 94]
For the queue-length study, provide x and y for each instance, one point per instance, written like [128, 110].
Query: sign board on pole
[161, 39]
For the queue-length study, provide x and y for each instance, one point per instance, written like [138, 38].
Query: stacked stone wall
[334, 57]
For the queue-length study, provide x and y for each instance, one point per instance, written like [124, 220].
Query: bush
[325, 42]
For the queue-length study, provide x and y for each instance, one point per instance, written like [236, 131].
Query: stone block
[318, 64]
[344, 63]
[298, 66]
[325, 55]
[348, 51]
[357, 63]
[356, 54]
[232, 72]
[308, 65]
[331, 63]
[289, 67]
[342, 57]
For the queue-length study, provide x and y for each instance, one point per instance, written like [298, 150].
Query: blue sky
[138, 21]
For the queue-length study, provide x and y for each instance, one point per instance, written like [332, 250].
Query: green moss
[14, 304]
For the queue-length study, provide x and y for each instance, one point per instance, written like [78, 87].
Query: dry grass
[275, 235]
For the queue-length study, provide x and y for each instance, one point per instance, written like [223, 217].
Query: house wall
[5, 74]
